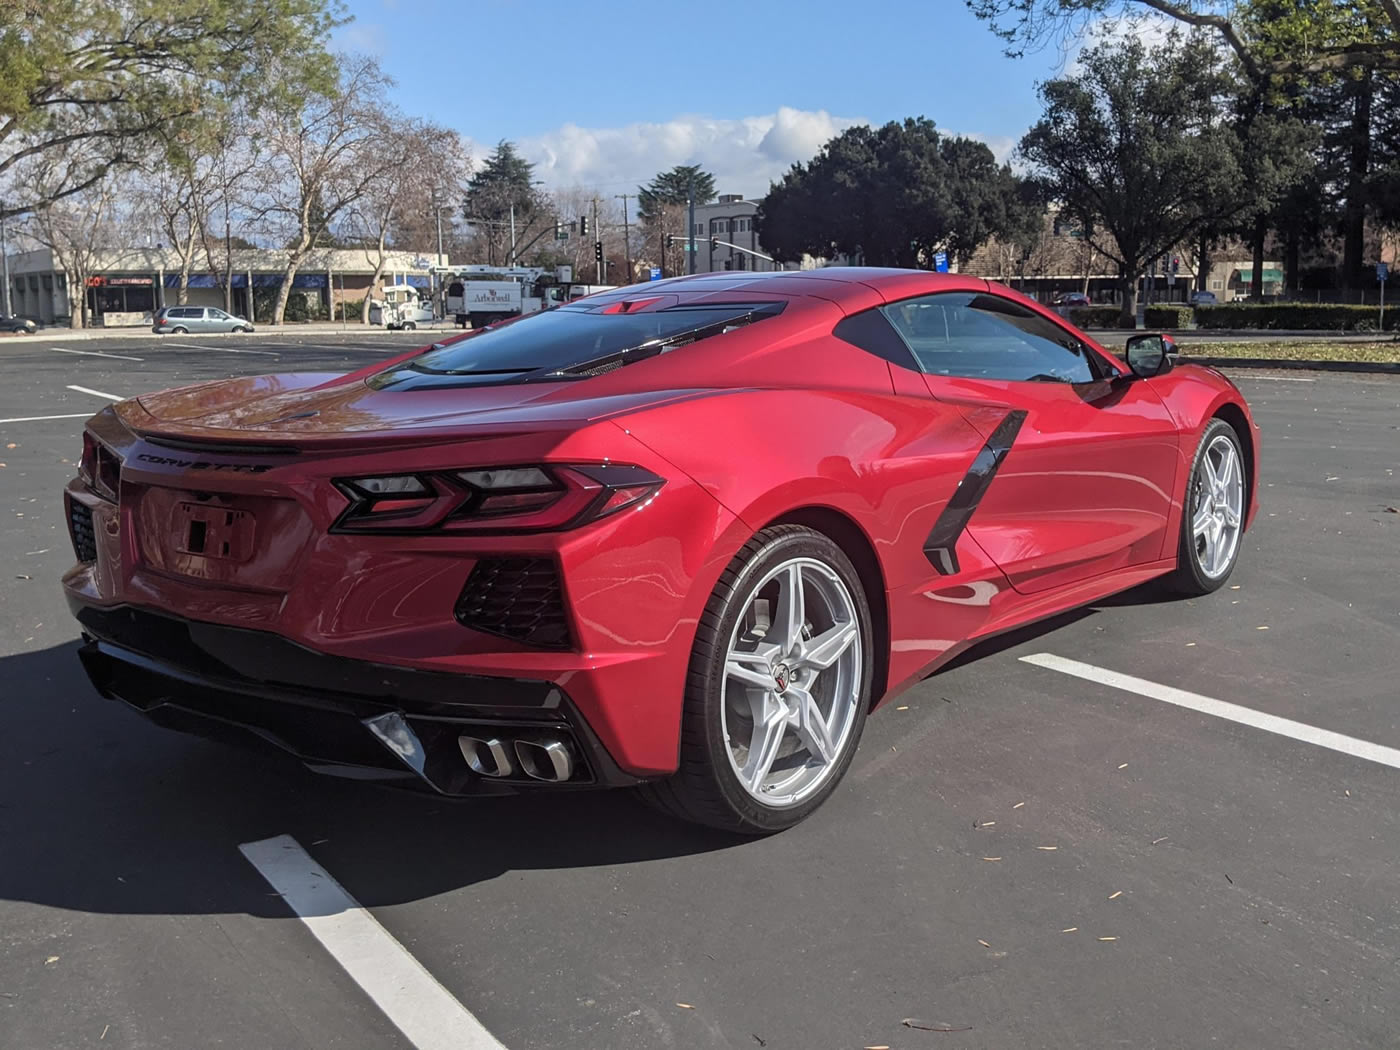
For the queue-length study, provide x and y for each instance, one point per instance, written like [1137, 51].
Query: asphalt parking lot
[1020, 857]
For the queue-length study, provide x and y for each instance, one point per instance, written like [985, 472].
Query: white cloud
[1151, 28]
[745, 154]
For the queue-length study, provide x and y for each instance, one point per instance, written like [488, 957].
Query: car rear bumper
[341, 716]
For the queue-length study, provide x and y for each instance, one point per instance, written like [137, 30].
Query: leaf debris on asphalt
[1048, 847]
[1070, 929]
[1263, 628]
[902, 707]
[1162, 839]
[1108, 938]
[983, 943]
[1018, 805]
[1123, 766]
[685, 1006]
[929, 1026]
[1115, 895]
[51, 960]
[991, 858]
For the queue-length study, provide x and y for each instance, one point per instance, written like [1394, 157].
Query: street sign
[940, 262]
[1382, 272]
[655, 273]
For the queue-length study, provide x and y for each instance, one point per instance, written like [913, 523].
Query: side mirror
[1150, 355]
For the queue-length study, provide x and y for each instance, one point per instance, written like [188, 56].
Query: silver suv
[177, 320]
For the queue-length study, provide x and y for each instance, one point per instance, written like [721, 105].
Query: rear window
[568, 343]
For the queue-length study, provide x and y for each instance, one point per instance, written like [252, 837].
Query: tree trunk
[1354, 221]
[379, 264]
[279, 311]
[1256, 277]
[1291, 278]
[1203, 265]
[1128, 284]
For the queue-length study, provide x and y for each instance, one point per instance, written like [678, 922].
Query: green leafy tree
[1137, 145]
[1269, 38]
[673, 187]
[85, 85]
[504, 186]
[894, 195]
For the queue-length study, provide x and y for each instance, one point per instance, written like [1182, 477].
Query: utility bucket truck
[478, 295]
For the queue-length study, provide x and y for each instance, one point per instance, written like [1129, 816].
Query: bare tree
[419, 160]
[323, 159]
[77, 228]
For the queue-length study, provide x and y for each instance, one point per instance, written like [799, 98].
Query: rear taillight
[100, 467]
[544, 498]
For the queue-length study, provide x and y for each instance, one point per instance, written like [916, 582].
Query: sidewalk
[286, 331]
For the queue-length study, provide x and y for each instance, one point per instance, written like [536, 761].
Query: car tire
[179, 330]
[761, 783]
[1214, 508]
[409, 326]
[242, 330]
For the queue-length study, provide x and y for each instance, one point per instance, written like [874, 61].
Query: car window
[982, 336]
[218, 315]
[571, 342]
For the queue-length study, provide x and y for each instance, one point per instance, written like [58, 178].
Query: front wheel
[778, 687]
[1212, 519]
[409, 326]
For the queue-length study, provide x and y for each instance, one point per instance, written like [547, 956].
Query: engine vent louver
[516, 598]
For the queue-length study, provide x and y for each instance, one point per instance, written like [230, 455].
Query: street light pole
[5, 261]
[690, 229]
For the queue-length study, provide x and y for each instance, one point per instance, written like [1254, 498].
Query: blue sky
[605, 95]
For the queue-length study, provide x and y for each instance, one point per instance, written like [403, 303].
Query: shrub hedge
[1167, 317]
[1096, 317]
[1335, 317]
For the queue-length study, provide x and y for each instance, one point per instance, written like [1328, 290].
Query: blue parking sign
[1382, 272]
[655, 273]
[940, 262]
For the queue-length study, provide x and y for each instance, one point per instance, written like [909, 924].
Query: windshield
[567, 343]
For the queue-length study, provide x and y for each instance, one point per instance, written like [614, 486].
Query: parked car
[1203, 299]
[1072, 299]
[528, 558]
[18, 325]
[177, 320]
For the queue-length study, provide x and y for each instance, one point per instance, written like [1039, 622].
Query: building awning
[1270, 276]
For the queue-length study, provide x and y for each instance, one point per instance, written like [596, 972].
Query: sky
[605, 95]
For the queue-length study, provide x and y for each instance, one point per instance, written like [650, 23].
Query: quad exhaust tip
[544, 758]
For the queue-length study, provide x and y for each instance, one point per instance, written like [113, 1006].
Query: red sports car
[684, 535]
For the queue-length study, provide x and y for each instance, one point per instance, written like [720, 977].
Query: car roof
[850, 287]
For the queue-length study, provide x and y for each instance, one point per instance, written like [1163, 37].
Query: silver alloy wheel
[1217, 511]
[792, 679]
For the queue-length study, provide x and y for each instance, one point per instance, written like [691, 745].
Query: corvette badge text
[204, 464]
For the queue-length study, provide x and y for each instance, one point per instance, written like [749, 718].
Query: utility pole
[511, 260]
[690, 229]
[228, 261]
[626, 239]
[598, 239]
[5, 262]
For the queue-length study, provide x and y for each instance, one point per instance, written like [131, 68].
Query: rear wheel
[778, 688]
[409, 326]
[179, 330]
[1212, 520]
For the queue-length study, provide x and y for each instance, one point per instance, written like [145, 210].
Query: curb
[1371, 367]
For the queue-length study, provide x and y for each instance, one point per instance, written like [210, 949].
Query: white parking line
[37, 419]
[94, 353]
[1386, 756]
[95, 393]
[1280, 379]
[411, 997]
[220, 349]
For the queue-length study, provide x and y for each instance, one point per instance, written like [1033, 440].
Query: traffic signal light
[598, 250]
[714, 243]
[670, 240]
[583, 225]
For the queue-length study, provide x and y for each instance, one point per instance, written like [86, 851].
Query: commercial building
[124, 287]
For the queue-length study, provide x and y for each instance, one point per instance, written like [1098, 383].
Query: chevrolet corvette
[683, 536]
